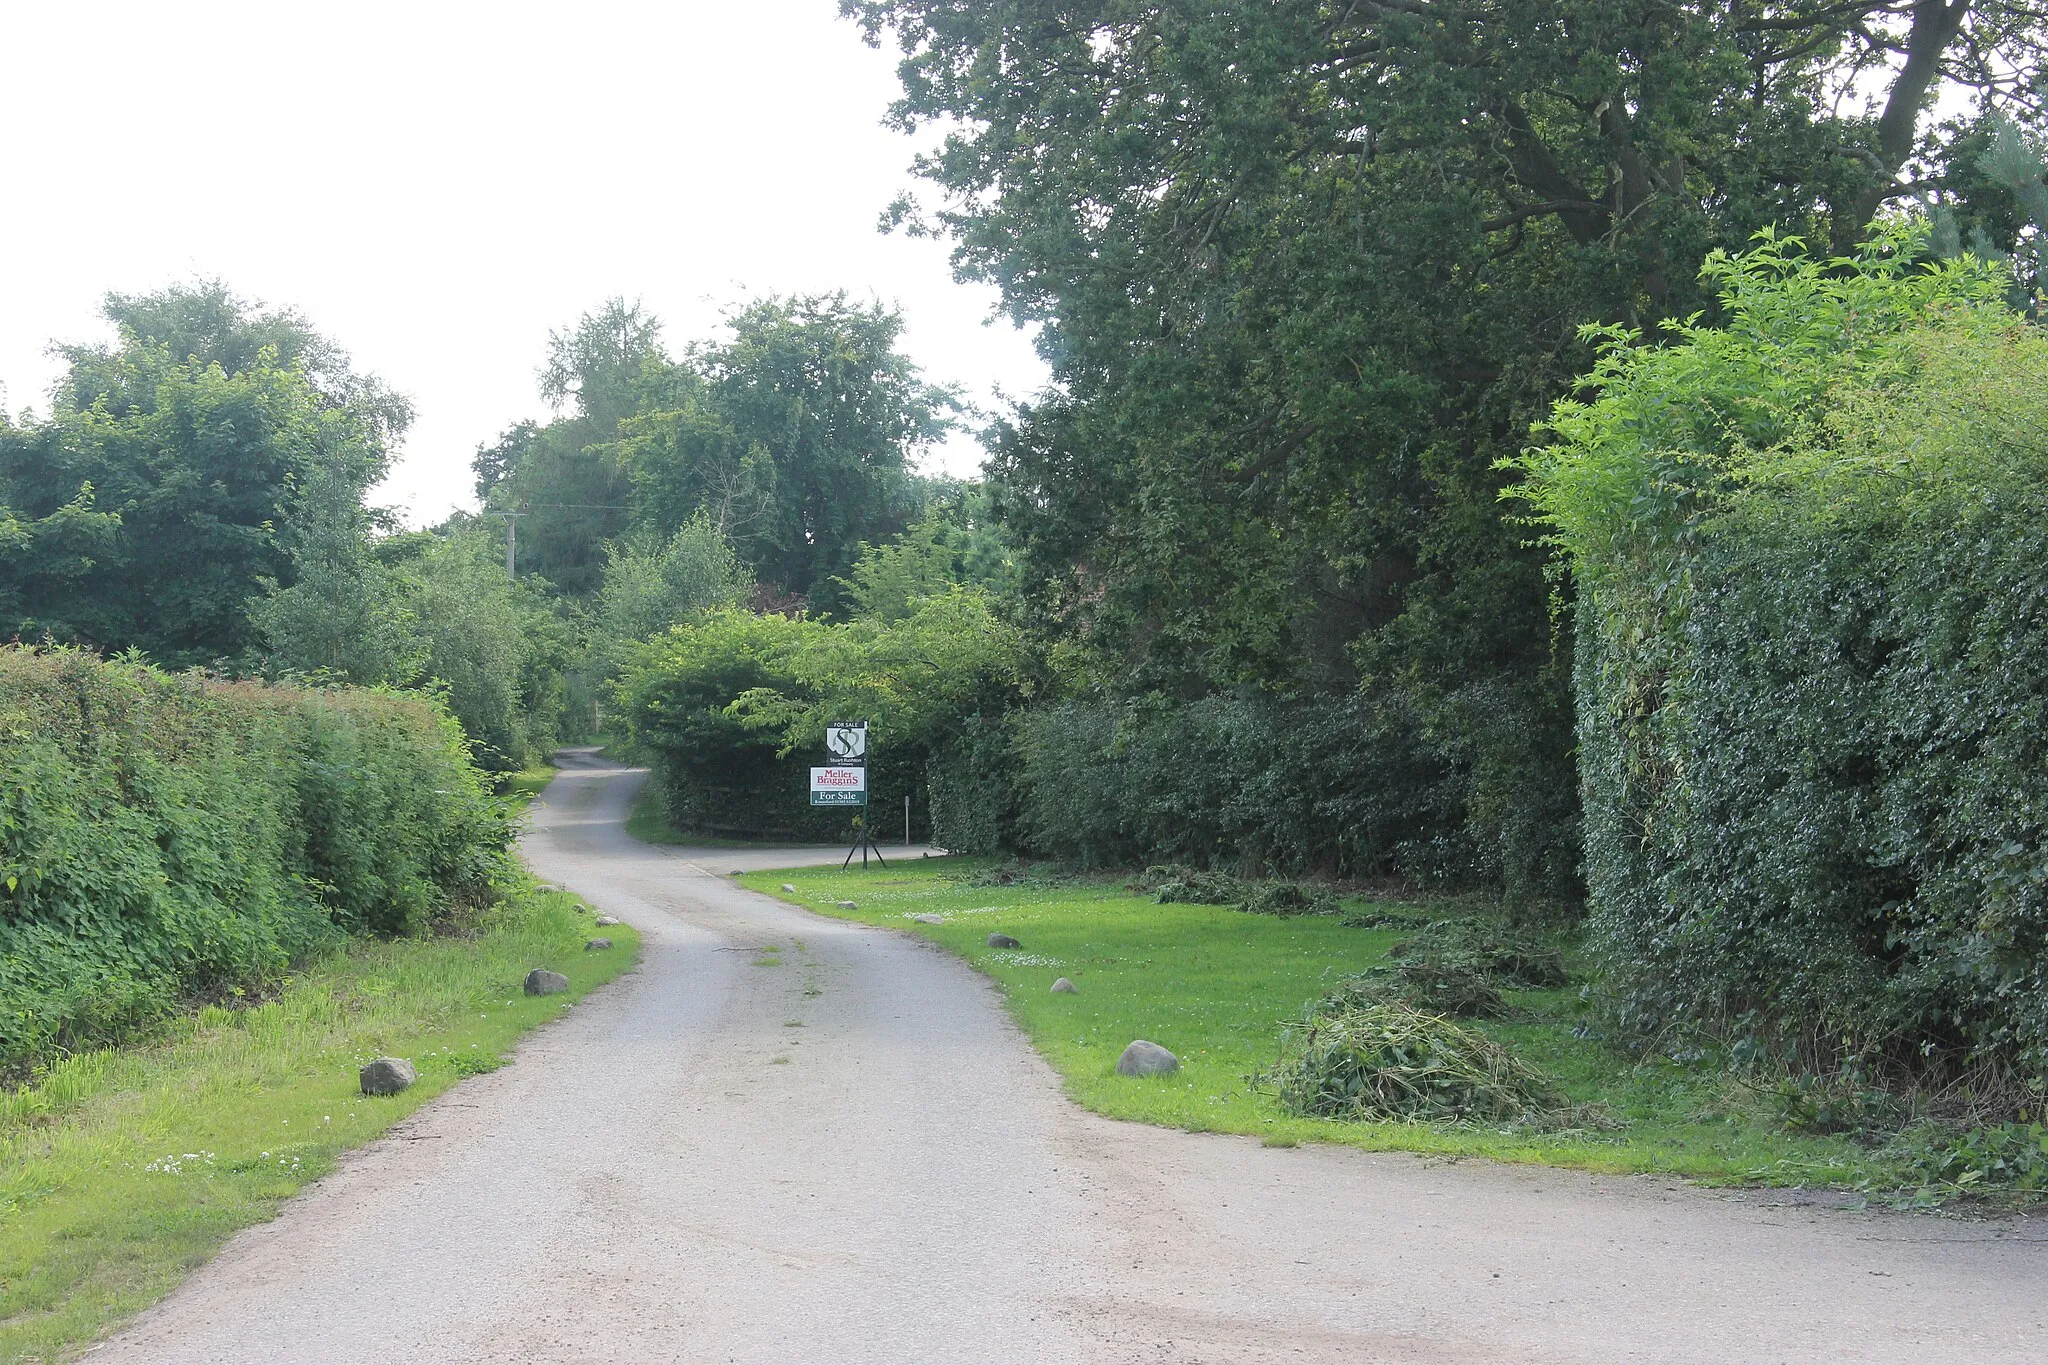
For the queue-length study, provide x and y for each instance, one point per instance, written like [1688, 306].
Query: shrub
[164, 837]
[1811, 549]
[1251, 784]
[734, 708]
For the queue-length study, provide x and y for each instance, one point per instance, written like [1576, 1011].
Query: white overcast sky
[436, 185]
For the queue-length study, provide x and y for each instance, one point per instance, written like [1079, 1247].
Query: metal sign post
[845, 783]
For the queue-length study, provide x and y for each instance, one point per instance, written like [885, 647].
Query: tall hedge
[166, 837]
[1811, 548]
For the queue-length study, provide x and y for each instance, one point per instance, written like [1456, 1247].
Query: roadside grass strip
[123, 1170]
[1215, 985]
[528, 783]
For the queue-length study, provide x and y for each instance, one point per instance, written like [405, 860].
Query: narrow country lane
[856, 1157]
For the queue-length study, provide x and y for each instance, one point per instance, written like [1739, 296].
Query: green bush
[1811, 548]
[733, 709]
[164, 837]
[1252, 784]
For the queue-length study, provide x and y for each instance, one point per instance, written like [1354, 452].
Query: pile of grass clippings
[1390, 1061]
[1176, 884]
[1458, 967]
[1173, 884]
[1289, 898]
[1515, 960]
[1452, 983]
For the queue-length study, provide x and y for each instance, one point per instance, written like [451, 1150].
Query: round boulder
[1146, 1059]
[929, 919]
[1003, 941]
[387, 1076]
[541, 981]
[1064, 987]
[789, 888]
[606, 921]
[597, 945]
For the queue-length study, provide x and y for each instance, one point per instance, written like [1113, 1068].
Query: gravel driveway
[854, 1156]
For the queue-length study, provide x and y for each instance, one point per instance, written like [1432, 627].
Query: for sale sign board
[846, 741]
[838, 786]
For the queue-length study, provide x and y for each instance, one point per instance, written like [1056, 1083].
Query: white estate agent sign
[839, 786]
[846, 740]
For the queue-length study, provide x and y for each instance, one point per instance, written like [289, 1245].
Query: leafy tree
[565, 477]
[1810, 544]
[345, 614]
[497, 646]
[1307, 270]
[794, 437]
[953, 545]
[650, 586]
[196, 455]
[800, 443]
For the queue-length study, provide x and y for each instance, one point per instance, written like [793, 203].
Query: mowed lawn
[1215, 986]
[122, 1170]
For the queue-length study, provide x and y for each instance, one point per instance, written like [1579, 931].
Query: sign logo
[839, 786]
[846, 740]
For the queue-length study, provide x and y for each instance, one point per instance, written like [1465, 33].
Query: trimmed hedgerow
[166, 837]
[1811, 553]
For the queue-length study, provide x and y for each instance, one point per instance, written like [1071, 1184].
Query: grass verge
[123, 1170]
[528, 783]
[1215, 984]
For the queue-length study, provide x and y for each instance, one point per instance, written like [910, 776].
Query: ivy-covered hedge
[165, 837]
[1811, 549]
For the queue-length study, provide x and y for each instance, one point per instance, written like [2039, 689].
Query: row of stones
[389, 1075]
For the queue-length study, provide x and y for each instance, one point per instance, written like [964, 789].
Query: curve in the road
[854, 1156]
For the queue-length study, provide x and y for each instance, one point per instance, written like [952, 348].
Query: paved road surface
[653, 1181]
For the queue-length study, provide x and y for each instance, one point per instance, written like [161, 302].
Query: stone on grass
[790, 887]
[597, 945]
[1146, 1059]
[606, 921]
[387, 1076]
[929, 919]
[847, 905]
[541, 981]
[1064, 987]
[1003, 941]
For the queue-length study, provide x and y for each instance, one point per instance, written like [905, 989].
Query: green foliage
[1250, 783]
[793, 437]
[1810, 550]
[164, 837]
[345, 616]
[650, 586]
[1392, 1061]
[497, 646]
[1305, 271]
[734, 708]
[2000, 1157]
[1173, 885]
[156, 489]
[714, 773]
[1458, 967]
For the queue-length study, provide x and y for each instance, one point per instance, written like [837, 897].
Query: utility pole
[511, 542]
